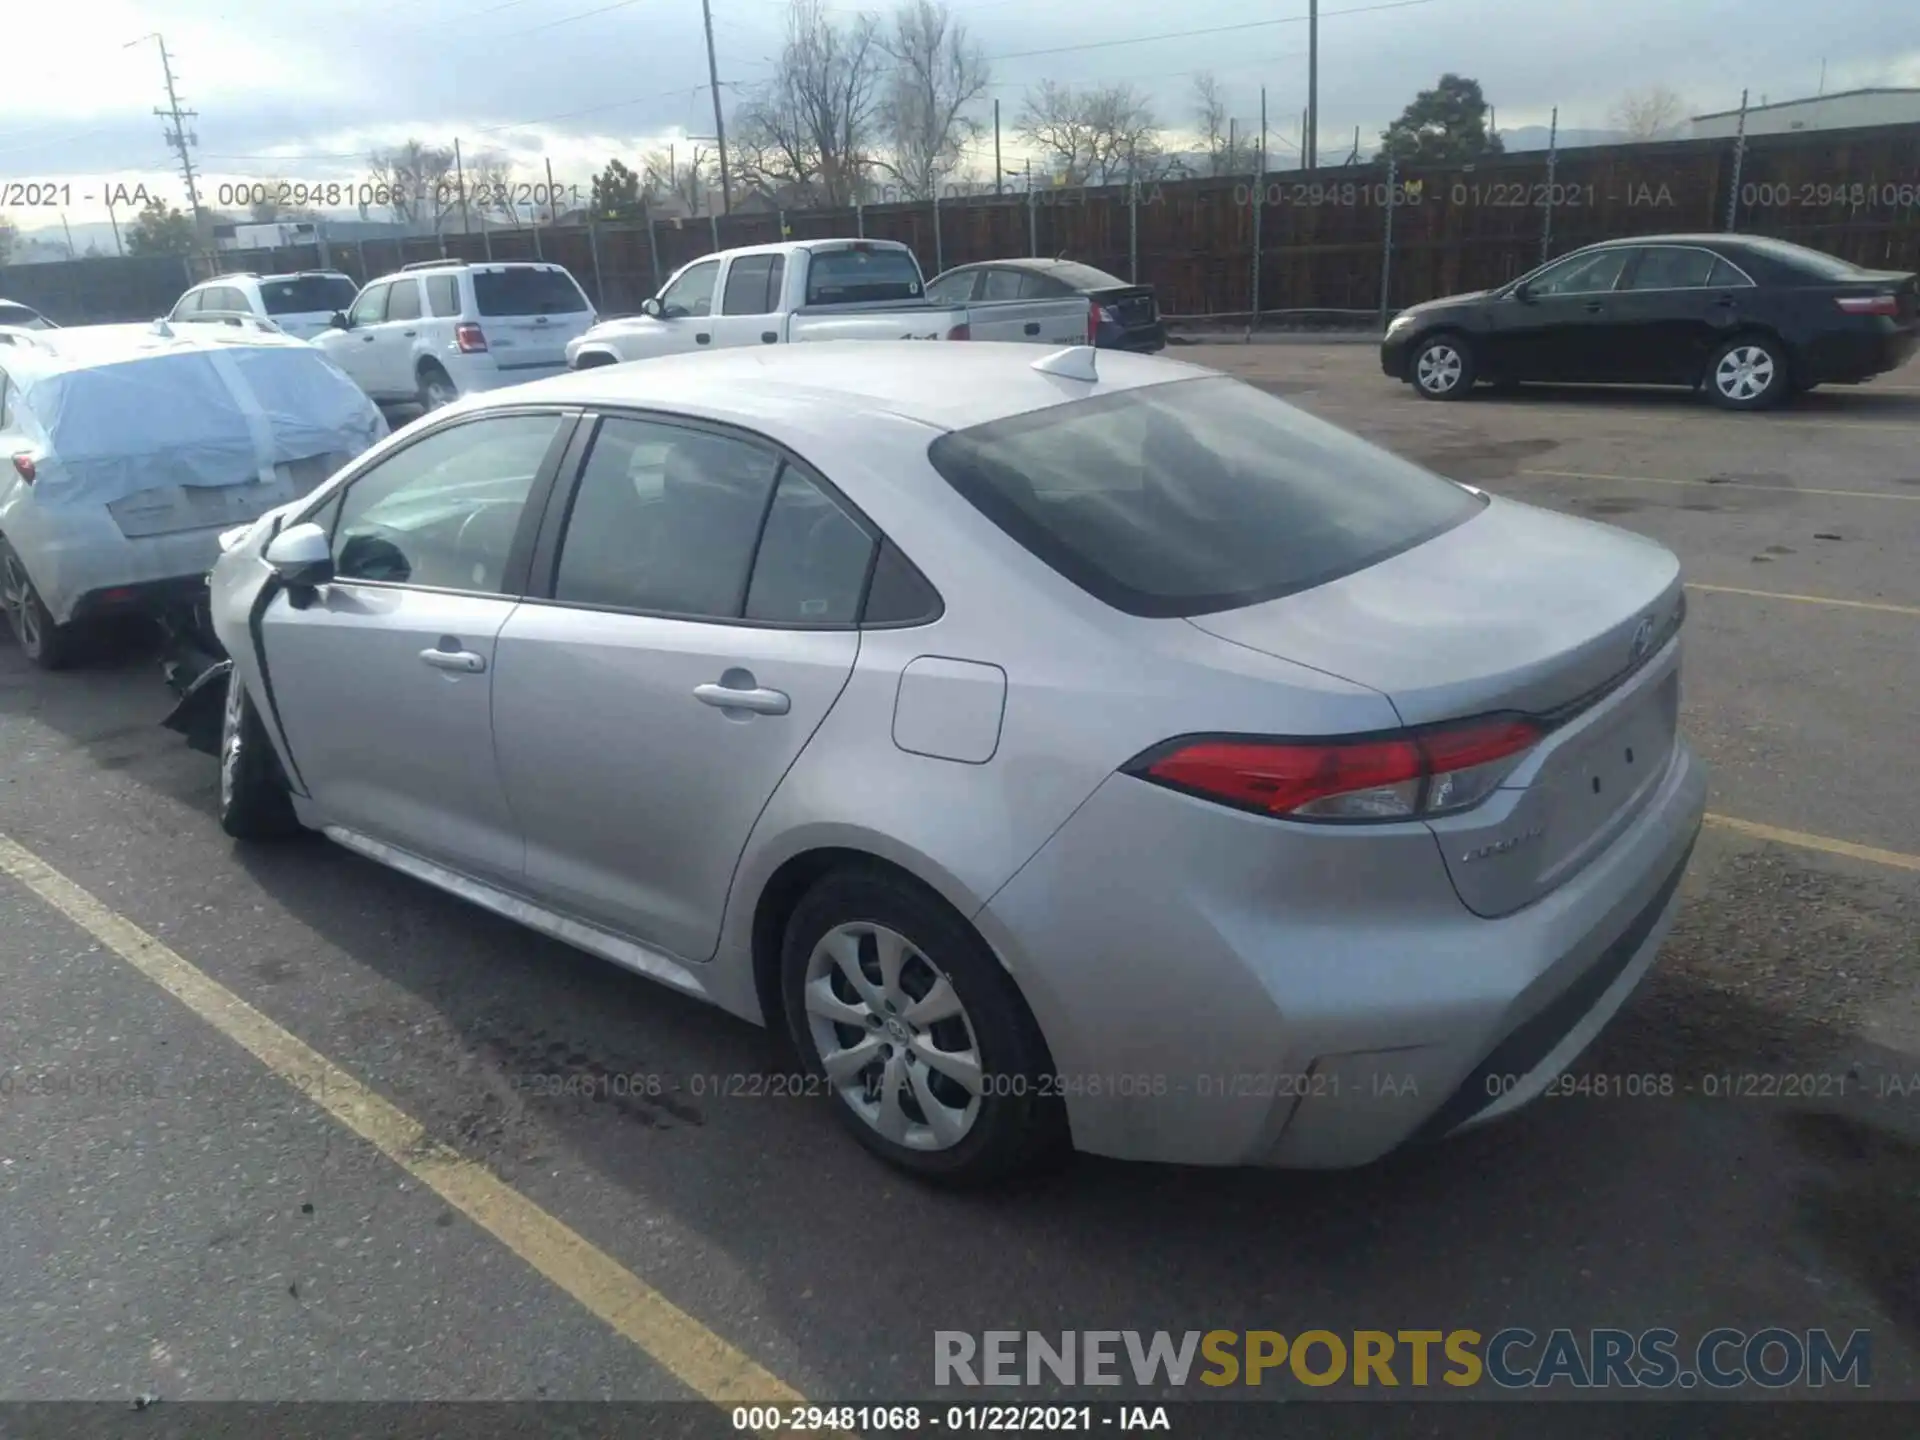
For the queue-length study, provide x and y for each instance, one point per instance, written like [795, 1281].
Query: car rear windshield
[1085, 277]
[308, 294]
[1195, 496]
[841, 277]
[526, 292]
[1814, 264]
[21, 318]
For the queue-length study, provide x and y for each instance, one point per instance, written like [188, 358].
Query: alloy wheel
[1744, 373]
[16, 596]
[896, 1043]
[440, 392]
[1439, 369]
[230, 728]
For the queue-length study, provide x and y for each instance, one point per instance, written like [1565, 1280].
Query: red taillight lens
[470, 338]
[960, 332]
[23, 467]
[1093, 323]
[1869, 304]
[1399, 777]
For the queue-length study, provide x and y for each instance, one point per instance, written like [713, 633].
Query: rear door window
[747, 286]
[1001, 285]
[1670, 267]
[1195, 496]
[527, 292]
[443, 295]
[403, 302]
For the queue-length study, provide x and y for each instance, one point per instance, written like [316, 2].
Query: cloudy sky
[302, 89]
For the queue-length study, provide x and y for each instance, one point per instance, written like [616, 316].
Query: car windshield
[1195, 496]
[307, 294]
[527, 292]
[840, 277]
[1816, 264]
[21, 318]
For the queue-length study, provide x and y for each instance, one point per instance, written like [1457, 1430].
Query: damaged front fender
[202, 708]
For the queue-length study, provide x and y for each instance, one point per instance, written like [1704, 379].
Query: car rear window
[1805, 263]
[20, 317]
[527, 292]
[1195, 496]
[307, 294]
[840, 277]
[1085, 277]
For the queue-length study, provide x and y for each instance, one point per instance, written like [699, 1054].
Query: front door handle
[367, 338]
[1594, 307]
[409, 333]
[771, 337]
[703, 339]
[760, 702]
[463, 661]
[1033, 327]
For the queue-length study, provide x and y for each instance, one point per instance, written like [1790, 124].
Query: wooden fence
[1322, 238]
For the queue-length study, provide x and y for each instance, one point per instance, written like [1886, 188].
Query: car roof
[1701, 241]
[85, 347]
[427, 267]
[817, 386]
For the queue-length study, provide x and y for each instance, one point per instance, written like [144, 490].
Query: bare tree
[1228, 145]
[938, 73]
[1093, 136]
[418, 179]
[688, 173]
[1647, 114]
[813, 125]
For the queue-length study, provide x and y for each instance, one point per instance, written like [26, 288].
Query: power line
[1209, 30]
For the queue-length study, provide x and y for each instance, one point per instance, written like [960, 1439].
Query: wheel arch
[1756, 330]
[593, 359]
[1439, 330]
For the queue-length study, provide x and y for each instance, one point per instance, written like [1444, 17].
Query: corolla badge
[1503, 847]
[1642, 640]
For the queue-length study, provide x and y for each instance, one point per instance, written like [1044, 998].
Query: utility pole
[1311, 159]
[719, 125]
[179, 138]
[1739, 161]
[999, 185]
[460, 184]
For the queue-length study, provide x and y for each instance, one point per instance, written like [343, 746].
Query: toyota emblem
[1642, 640]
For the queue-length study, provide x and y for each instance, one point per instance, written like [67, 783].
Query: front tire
[930, 1054]
[254, 799]
[47, 645]
[1749, 372]
[1442, 368]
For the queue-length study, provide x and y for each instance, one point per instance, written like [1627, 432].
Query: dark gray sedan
[1128, 318]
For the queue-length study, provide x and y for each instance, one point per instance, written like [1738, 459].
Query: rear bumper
[1143, 340]
[1221, 989]
[82, 565]
[1839, 356]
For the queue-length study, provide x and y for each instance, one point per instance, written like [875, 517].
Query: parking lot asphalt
[586, 1206]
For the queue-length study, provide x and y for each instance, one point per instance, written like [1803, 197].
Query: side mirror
[301, 555]
[339, 320]
[1522, 294]
[650, 307]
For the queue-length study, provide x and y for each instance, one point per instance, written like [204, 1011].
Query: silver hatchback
[1112, 757]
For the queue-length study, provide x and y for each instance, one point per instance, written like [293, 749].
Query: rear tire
[437, 389]
[1441, 367]
[254, 800]
[47, 645]
[1749, 372]
[876, 969]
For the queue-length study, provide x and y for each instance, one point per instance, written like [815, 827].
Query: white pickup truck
[816, 290]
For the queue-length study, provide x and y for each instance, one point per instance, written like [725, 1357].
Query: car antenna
[1073, 363]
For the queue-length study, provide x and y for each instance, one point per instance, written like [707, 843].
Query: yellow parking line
[1722, 484]
[1870, 853]
[1887, 606]
[695, 1355]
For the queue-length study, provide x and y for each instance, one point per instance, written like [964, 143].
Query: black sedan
[1128, 317]
[1751, 321]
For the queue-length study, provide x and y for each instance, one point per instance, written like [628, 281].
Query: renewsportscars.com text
[1512, 1358]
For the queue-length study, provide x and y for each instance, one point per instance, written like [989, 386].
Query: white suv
[445, 328]
[302, 304]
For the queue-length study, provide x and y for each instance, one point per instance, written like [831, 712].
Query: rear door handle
[760, 702]
[703, 339]
[409, 333]
[771, 337]
[1033, 327]
[463, 661]
[1594, 307]
[367, 338]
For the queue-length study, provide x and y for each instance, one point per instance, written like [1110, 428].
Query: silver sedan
[1114, 757]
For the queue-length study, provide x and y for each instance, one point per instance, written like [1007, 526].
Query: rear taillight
[962, 331]
[470, 338]
[24, 468]
[1869, 304]
[1093, 323]
[1411, 775]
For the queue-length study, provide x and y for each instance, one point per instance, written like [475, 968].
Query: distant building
[1842, 110]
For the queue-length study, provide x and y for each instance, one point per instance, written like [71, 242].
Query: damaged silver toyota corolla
[1083, 749]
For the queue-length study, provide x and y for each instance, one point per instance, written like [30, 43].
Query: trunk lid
[1519, 609]
[1134, 304]
[176, 509]
[528, 314]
